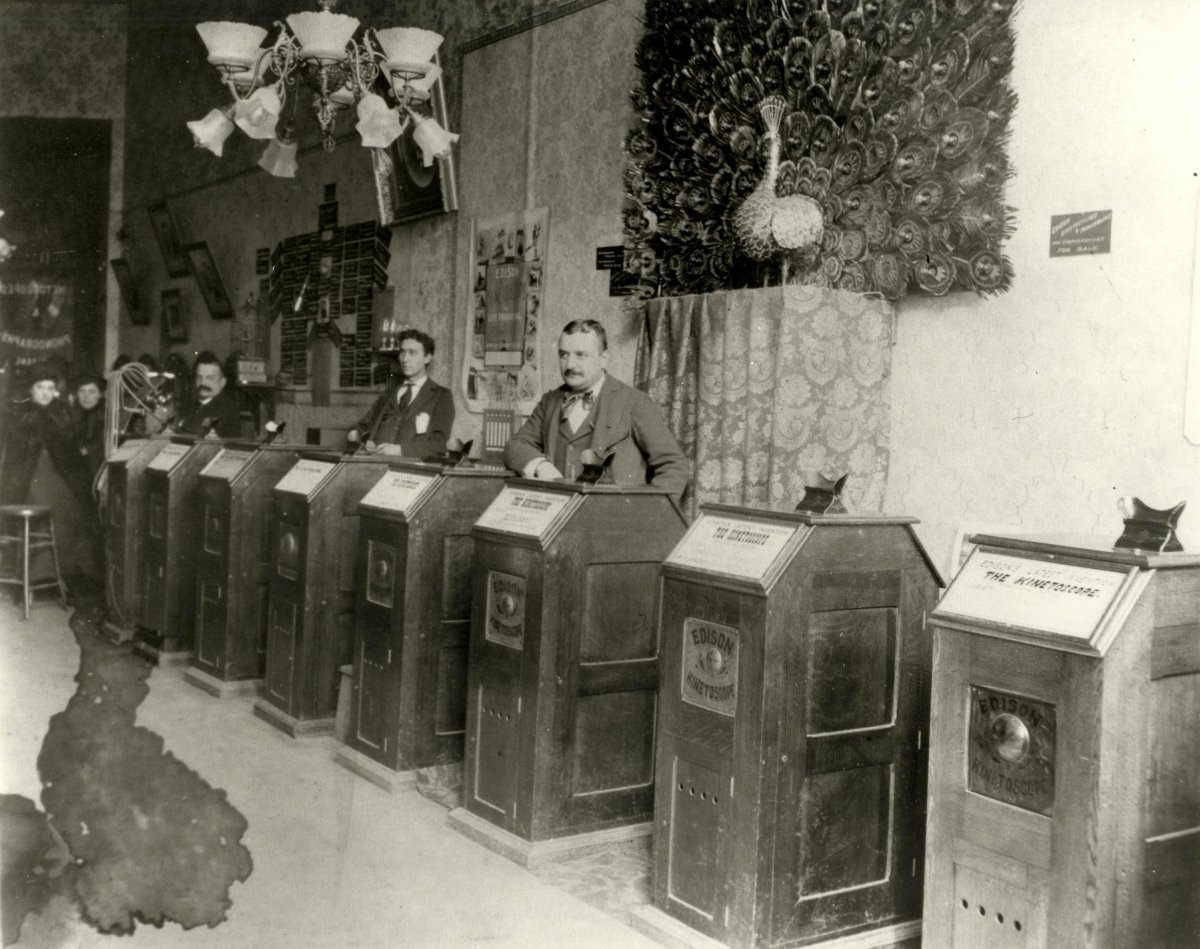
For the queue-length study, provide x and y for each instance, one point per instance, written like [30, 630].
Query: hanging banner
[508, 258]
[35, 319]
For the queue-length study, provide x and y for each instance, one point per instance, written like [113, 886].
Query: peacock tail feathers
[879, 165]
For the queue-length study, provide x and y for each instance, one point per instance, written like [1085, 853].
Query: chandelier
[386, 75]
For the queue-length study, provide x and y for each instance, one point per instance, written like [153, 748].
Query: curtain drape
[765, 388]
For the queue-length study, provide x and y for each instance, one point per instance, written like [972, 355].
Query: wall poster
[505, 311]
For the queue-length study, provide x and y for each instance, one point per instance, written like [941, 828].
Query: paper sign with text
[521, 511]
[730, 546]
[1037, 594]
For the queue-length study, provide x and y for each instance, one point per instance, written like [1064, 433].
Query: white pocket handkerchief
[422, 423]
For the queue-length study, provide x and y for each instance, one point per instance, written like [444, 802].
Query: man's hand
[385, 448]
[547, 472]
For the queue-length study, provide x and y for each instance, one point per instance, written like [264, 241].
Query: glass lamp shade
[231, 44]
[258, 114]
[322, 35]
[211, 131]
[408, 44]
[279, 159]
[342, 97]
[433, 140]
[419, 87]
[378, 126]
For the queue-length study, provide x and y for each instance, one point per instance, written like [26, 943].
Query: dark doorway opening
[54, 191]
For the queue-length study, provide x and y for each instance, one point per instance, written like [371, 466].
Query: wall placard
[505, 311]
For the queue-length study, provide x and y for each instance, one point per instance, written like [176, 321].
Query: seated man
[216, 410]
[414, 415]
[594, 411]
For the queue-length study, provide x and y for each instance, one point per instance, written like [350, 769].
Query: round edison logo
[710, 653]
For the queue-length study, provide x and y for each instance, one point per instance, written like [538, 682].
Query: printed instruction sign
[1037, 594]
[1089, 232]
[739, 548]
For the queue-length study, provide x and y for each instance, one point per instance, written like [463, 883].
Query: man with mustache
[594, 412]
[216, 410]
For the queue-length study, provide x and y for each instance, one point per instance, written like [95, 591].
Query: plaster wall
[41, 47]
[1041, 407]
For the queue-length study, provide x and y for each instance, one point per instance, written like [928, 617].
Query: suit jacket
[222, 408]
[626, 423]
[433, 400]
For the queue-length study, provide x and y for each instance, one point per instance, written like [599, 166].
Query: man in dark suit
[593, 411]
[414, 416]
[216, 410]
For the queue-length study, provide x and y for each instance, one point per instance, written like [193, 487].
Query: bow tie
[583, 398]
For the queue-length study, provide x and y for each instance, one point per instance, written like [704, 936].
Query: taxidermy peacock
[879, 164]
[766, 222]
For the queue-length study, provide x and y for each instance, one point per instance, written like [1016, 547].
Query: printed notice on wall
[398, 490]
[729, 546]
[227, 464]
[521, 511]
[304, 476]
[169, 457]
[1089, 232]
[1036, 594]
[127, 450]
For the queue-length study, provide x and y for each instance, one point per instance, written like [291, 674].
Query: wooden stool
[34, 532]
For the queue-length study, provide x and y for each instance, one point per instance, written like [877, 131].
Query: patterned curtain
[766, 388]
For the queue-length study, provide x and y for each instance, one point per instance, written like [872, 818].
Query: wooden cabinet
[233, 566]
[123, 534]
[169, 527]
[412, 618]
[1064, 798]
[563, 675]
[794, 710]
[310, 613]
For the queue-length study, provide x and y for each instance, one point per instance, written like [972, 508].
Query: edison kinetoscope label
[1010, 755]
[710, 664]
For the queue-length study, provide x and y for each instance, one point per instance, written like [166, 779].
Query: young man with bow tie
[593, 411]
[414, 416]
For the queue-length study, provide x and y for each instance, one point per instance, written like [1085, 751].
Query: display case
[412, 619]
[563, 666]
[233, 566]
[1064, 797]
[792, 732]
[166, 625]
[310, 613]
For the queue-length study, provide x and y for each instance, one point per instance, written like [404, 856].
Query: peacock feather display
[857, 144]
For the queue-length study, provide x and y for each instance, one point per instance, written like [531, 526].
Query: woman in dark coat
[42, 421]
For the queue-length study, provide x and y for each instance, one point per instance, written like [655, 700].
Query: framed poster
[505, 311]
[168, 240]
[124, 275]
[405, 187]
[174, 318]
[204, 269]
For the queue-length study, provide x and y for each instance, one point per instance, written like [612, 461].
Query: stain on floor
[148, 839]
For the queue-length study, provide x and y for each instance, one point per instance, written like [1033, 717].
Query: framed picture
[174, 318]
[405, 187]
[204, 269]
[168, 240]
[124, 275]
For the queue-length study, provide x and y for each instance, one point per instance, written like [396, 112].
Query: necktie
[405, 398]
[583, 398]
